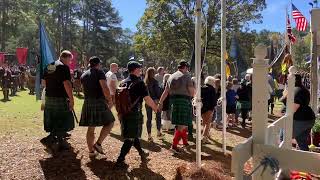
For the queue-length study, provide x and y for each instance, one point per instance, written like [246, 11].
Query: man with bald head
[112, 80]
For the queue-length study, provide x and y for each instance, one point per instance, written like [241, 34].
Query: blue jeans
[218, 114]
[149, 119]
[301, 132]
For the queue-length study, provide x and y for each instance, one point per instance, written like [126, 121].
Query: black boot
[127, 144]
[142, 153]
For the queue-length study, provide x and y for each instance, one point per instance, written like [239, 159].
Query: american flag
[289, 31]
[301, 21]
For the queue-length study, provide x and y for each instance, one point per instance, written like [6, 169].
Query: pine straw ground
[23, 157]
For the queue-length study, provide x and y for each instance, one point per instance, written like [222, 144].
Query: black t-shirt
[209, 98]
[55, 79]
[91, 85]
[138, 89]
[304, 112]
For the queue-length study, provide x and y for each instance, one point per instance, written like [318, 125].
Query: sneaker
[64, 145]
[175, 150]
[120, 164]
[47, 141]
[144, 155]
[150, 139]
[98, 148]
[93, 154]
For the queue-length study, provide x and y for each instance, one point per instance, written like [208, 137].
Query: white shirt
[111, 77]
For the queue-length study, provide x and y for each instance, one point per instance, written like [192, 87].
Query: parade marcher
[22, 77]
[112, 80]
[218, 108]
[209, 101]
[243, 103]
[159, 76]
[76, 81]
[155, 93]
[31, 82]
[132, 120]
[14, 81]
[96, 106]
[166, 112]
[59, 102]
[231, 97]
[6, 82]
[303, 117]
[181, 91]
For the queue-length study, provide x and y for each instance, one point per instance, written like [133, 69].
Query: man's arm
[164, 95]
[106, 92]
[192, 91]
[113, 85]
[68, 87]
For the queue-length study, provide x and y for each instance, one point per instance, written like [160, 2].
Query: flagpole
[198, 81]
[223, 72]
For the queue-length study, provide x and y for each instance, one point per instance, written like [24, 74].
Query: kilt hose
[96, 113]
[57, 115]
[181, 108]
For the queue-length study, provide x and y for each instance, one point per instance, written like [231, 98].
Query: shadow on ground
[65, 165]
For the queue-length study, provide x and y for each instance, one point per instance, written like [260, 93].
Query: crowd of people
[167, 96]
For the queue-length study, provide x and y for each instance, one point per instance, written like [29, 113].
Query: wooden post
[315, 30]
[259, 103]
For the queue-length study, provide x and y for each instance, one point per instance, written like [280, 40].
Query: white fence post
[289, 110]
[259, 103]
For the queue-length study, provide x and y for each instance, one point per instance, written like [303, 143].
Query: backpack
[122, 99]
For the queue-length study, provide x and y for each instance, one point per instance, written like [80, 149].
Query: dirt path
[23, 157]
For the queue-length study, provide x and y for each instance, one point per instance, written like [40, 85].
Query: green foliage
[316, 127]
[166, 30]
[91, 27]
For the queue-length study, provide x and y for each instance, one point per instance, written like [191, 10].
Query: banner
[74, 62]
[47, 56]
[1, 58]
[22, 54]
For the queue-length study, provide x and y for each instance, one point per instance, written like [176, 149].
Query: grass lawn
[23, 157]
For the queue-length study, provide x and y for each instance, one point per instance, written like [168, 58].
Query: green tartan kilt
[95, 113]
[181, 109]
[131, 125]
[243, 105]
[57, 116]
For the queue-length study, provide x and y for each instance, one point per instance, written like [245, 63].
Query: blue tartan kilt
[57, 115]
[181, 110]
[96, 113]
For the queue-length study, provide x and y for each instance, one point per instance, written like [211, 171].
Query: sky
[274, 17]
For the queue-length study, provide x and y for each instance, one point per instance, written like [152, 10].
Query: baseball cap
[94, 60]
[183, 64]
[132, 65]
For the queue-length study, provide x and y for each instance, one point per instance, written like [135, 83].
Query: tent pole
[223, 71]
[198, 81]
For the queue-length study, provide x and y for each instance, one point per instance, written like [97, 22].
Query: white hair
[209, 80]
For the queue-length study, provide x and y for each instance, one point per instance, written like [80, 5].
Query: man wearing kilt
[96, 106]
[131, 122]
[181, 90]
[59, 102]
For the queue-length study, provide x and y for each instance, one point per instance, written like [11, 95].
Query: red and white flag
[301, 21]
[291, 37]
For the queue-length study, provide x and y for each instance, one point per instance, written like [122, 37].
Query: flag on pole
[291, 37]
[47, 56]
[300, 20]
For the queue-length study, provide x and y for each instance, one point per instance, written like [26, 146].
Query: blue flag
[47, 56]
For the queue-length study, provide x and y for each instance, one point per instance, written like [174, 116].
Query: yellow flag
[228, 71]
